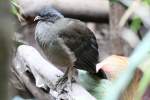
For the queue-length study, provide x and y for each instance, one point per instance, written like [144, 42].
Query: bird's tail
[101, 74]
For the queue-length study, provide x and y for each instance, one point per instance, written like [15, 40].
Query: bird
[67, 42]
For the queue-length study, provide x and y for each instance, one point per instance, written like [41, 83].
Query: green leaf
[146, 2]
[114, 1]
[136, 24]
[13, 7]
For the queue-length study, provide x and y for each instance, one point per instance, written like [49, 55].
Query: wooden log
[87, 10]
[30, 86]
[45, 73]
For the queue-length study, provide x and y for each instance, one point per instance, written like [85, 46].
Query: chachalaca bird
[67, 42]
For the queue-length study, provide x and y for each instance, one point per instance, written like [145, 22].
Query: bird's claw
[63, 85]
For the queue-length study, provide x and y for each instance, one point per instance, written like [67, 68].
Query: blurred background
[121, 27]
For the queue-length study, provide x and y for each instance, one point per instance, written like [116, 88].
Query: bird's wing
[82, 42]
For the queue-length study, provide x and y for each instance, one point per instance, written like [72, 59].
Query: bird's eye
[52, 15]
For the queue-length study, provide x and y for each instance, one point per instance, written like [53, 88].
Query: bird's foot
[64, 85]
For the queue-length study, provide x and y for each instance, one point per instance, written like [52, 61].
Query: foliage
[136, 24]
[114, 1]
[13, 7]
[146, 2]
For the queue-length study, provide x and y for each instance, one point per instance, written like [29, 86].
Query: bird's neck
[54, 19]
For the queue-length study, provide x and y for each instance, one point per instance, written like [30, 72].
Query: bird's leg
[64, 84]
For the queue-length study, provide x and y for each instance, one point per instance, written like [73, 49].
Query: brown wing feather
[83, 43]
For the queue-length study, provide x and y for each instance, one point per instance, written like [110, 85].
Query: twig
[128, 13]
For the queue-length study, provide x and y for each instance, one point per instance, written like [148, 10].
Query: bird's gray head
[48, 14]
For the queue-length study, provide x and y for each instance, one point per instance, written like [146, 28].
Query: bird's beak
[37, 18]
